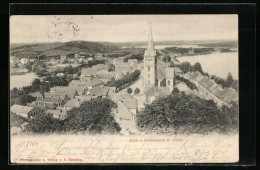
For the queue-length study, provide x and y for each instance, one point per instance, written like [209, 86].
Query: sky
[121, 28]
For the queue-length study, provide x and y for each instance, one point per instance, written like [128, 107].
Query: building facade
[150, 62]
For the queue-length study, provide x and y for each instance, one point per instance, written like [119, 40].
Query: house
[24, 61]
[32, 60]
[100, 91]
[76, 56]
[70, 91]
[122, 68]
[212, 90]
[88, 71]
[63, 58]
[178, 71]
[59, 113]
[151, 93]
[100, 67]
[132, 61]
[25, 111]
[94, 83]
[52, 100]
[90, 58]
[72, 103]
[37, 95]
[127, 108]
[60, 74]
[99, 55]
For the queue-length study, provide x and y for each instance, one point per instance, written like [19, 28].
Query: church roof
[161, 74]
[170, 72]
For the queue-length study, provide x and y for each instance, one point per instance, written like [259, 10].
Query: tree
[129, 90]
[94, 117]
[36, 85]
[185, 67]
[229, 80]
[26, 99]
[137, 91]
[44, 87]
[175, 90]
[167, 59]
[43, 123]
[185, 114]
[197, 67]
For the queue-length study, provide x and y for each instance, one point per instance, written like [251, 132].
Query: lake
[216, 63]
[19, 81]
[159, 47]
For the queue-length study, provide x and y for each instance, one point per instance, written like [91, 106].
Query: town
[132, 80]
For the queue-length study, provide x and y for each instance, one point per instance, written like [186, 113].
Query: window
[148, 75]
[169, 82]
[149, 68]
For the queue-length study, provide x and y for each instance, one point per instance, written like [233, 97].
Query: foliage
[185, 67]
[95, 62]
[226, 83]
[184, 114]
[43, 123]
[20, 96]
[129, 90]
[197, 67]
[138, 56]
[175, 90]
[137, 91]
[191, 85]
[93, 116]
[167, 59]
[125, 81]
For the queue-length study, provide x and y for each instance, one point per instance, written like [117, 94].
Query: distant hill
[66, 48]
[55, 49]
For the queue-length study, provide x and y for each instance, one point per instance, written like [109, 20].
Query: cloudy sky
[122, 28]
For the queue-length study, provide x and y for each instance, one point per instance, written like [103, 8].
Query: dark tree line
[191, 85]
[226, 83]
[185, 114]
[93, 117]
[125, 81]
[138, 56]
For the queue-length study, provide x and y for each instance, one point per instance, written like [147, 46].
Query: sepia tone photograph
[124, 89]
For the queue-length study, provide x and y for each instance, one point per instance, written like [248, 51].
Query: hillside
[55, 49]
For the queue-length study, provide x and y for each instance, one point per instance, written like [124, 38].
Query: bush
[191, 85]
[93, 117]
[129, 90]
[186, 114]
[43, 123]
[137, 91]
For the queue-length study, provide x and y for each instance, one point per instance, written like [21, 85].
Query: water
[159, 47]
[19, 81]
[217, 63]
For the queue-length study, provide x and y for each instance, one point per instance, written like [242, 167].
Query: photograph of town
[126, 77]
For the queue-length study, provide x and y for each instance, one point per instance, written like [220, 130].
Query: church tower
[150, 62]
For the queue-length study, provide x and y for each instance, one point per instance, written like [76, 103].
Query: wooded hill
[54, 49]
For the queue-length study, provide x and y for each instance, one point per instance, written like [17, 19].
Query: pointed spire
[150, 46]
[150, 51]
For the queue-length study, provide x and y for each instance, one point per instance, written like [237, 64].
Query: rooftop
[21, 109]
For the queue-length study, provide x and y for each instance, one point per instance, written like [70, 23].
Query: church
[157, 78]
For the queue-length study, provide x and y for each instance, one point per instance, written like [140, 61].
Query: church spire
[150, 46]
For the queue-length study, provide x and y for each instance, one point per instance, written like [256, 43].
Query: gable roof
[20, 109]
[161, 74]
[99, 91]
[73, 103]
[88, 71]
[130, 103]
[170, 72]
[36, 94]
